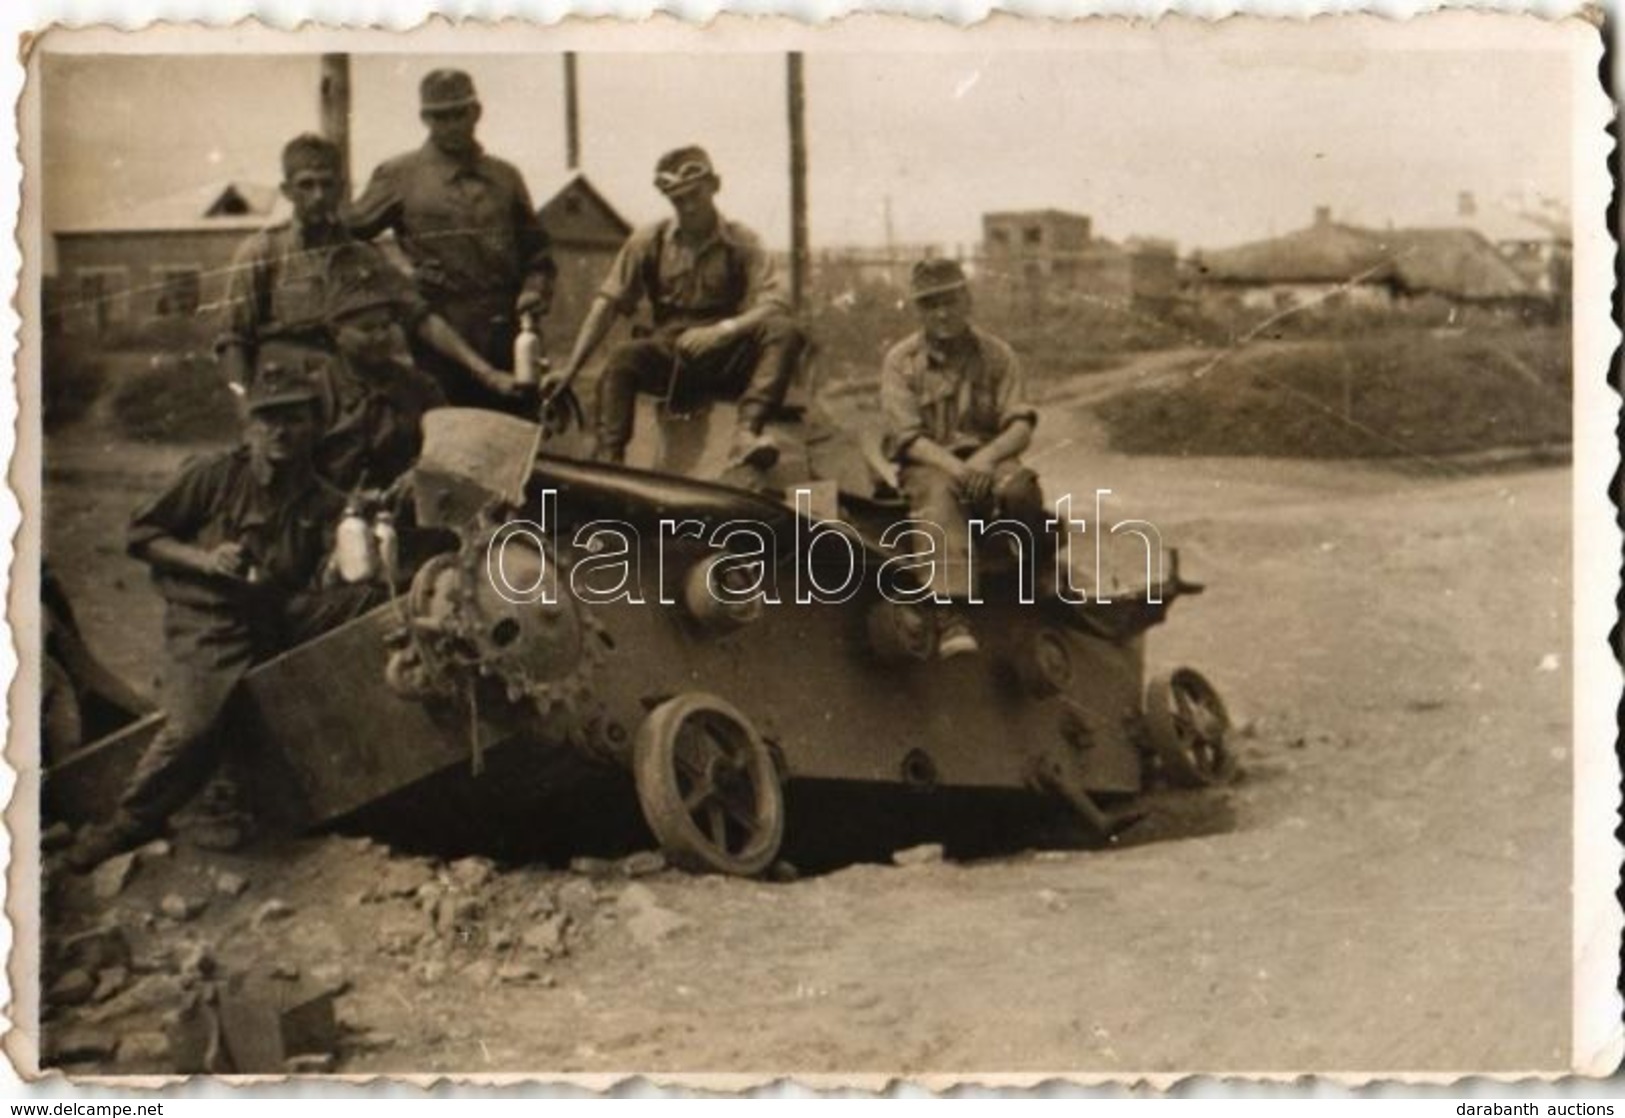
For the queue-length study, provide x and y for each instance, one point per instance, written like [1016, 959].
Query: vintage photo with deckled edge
[1290, 826]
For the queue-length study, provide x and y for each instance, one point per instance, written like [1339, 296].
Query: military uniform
[216, 628]
[372, 420]
[467, 225]
[276, 291]
[960, 396]
[697, 285]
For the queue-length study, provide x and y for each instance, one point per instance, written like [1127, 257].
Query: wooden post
[572, 120]
[798, 180]
[335, 108]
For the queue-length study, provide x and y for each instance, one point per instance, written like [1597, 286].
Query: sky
[1205, 147]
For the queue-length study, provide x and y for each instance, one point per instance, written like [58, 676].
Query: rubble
[154, 850]
[923, 855]
[547, 937]
[144, 1050]
[642, 864]
[592, 867]
[783, 872]
[109, 879]
[179, 907]
[58, 836]
[649, 923]
[74, 987]
[271, 911]
[330, 977]
[109, 982]
[194, 960]
[578, 899]
[229, 884]
[80, 1043]
[149, 994]
[471, 873]
[402, 878]
[96, 949]
[516, 972]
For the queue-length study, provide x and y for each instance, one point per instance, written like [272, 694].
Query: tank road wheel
[708, 786]
[1186, 723]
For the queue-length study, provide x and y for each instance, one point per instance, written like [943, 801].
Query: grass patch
[178, 400]
[1426, 392]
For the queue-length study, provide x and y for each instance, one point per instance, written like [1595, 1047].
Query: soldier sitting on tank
[956, 423]
[371, 398]
[236, 544]
[276, 289]
[722, 319]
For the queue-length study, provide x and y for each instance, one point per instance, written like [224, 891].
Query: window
[178, 290]
[103, 297]
[1033, 235]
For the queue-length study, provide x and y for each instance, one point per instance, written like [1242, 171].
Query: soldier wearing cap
[956, 422]
[721, 316]
[371, 401]
[465, 221]
[276, 290]
[236, 545]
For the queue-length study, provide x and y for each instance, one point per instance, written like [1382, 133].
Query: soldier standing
[276, 290]
[236, 544]
[721, 316]
[465, 221]
[957, 421]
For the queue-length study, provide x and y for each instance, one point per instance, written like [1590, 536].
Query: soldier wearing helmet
[721, 316]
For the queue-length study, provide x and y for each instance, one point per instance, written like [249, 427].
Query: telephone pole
[335, 108]
[798, 179]
[572, 117]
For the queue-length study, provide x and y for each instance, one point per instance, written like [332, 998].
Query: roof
[239, 206]
[564, 226]
[1034, 215]
[1450, 261]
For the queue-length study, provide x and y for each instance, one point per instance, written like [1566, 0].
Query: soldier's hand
[976, 486]
[697, 341]
[228, 560]
[552, 384]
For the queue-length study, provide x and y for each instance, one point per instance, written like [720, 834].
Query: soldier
[236, 545]
[371, 402]
[465, 221]
[721, 316]
[956, 423]
[275, 292]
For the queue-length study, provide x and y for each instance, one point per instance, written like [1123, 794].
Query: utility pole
[335, 108]
[572, 118]
[798, 179]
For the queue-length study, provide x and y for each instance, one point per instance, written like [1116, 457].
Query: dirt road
[1393, 896]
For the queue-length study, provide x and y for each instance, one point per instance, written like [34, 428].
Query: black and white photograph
[889, 551]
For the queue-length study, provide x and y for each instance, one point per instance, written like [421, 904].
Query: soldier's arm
[379, 206]
[594, 329]
[905, 438]
[1017, 417]
[159, 531]
[247, 290]
[443, 338]
[767, 293]
[535, 254]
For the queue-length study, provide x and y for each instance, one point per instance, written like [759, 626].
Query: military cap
[278, 385]
[359, 279]
[446, 89]
[935, 277]
[682, 169]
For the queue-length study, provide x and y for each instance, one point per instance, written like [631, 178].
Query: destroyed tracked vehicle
[582, 639]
